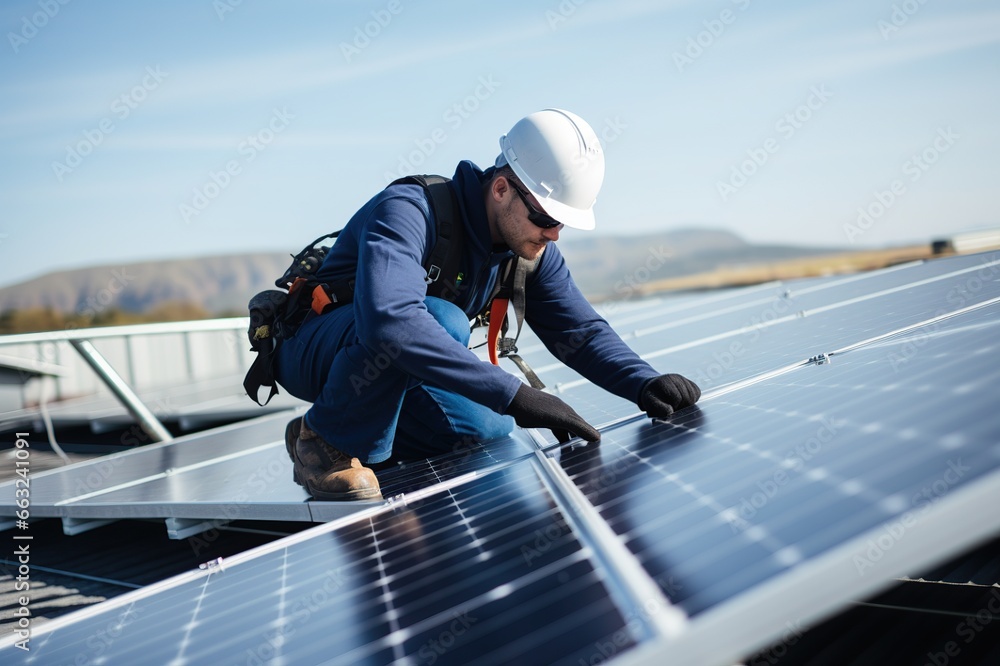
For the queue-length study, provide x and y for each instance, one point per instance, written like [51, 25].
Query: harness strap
[517, 295]
[498, 320]
[444, 262]
[529, 374]
[511, 290]
[261, 373]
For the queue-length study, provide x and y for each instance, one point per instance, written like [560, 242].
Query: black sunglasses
[537, 217]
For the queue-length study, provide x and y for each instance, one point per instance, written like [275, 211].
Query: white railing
[136, 357]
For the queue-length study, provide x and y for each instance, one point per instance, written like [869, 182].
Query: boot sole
[292, 431]
[351, 496]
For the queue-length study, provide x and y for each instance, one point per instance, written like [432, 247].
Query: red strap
[319, 300]
[498, 312]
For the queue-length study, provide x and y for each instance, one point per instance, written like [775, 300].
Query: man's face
[520, 234]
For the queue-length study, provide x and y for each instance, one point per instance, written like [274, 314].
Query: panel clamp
[397, 501]
[213, 566]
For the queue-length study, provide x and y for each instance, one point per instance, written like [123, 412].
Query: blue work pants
[365, 406]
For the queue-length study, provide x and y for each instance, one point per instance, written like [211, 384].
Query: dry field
[833, 264]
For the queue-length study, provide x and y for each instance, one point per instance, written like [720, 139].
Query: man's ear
[499, 187]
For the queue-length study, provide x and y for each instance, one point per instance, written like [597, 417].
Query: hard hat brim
[569, 216]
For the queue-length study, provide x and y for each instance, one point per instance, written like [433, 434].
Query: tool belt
[276, 316]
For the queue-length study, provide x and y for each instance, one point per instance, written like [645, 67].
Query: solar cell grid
[824, 316]
[764, 342]
[734, 308]
[466, 456]
[625, 317]
[447, 577]
[753, 482]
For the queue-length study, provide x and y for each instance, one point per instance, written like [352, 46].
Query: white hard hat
[558, 157]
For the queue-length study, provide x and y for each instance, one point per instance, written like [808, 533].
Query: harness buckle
[507, 346]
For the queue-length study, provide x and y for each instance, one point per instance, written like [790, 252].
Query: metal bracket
[182, 528]
[74, 526]
[121, 390]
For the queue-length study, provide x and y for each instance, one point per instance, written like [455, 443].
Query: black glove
[532, 408]
[662, 395]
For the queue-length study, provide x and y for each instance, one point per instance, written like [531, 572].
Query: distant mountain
[603, 266]
[216, 284]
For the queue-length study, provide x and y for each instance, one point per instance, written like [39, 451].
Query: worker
[391, 374]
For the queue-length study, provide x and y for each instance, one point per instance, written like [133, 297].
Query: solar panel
[738, 308]
[795, 486]
[132, 466]
[239, 472]
[490, 567]
[756, 338]
[468, 459]
[212, 475]
[754, 472]
[764, 479]
[807, 293]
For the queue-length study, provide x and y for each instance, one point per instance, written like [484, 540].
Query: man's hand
[662, 395]
[532, 408]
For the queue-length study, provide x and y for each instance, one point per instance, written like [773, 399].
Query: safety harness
[509, 291]
[276, 315]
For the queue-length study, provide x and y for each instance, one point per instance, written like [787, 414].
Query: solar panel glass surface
[732, 492]
[489, 572]
[775, 331]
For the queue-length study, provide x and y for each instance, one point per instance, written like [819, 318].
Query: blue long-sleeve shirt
[385, 246]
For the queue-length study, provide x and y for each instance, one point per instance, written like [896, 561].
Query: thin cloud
[863, 50]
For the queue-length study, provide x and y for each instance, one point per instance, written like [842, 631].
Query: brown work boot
[329, 474]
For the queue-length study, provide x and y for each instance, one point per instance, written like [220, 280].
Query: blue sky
[133, 131]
